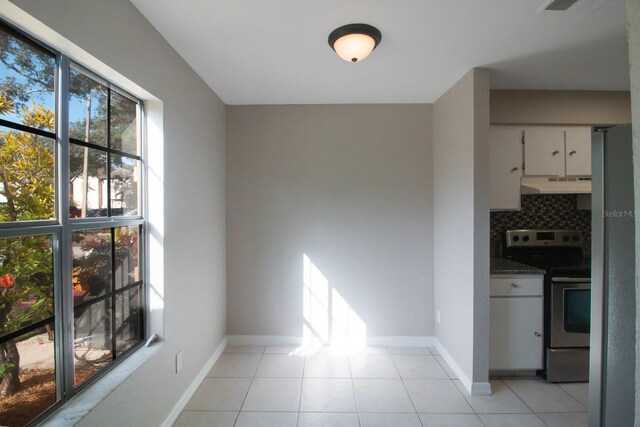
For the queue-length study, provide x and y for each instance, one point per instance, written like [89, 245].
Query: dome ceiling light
[354, 42]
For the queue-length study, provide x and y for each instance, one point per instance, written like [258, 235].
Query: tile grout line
[534, 412]
[406, 389]
[573, 397]
[304, 365]
[353, 390]
[465, 399]
[478, 415]
[507, 413]
[542, 420]
[463, 396]
[518, 396]
[250, 384]
[435, 356]
[444, 379]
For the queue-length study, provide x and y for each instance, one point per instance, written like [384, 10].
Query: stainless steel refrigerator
[613, 302]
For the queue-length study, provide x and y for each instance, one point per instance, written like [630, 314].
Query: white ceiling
[276, 51]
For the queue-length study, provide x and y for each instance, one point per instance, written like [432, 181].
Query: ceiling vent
[559, 4]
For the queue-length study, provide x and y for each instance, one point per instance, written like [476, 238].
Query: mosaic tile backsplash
[542, 211]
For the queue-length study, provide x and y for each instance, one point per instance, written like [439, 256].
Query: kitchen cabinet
[544, 151]
[578, 151]
[516, 327]
[505, 160]
[557, 151]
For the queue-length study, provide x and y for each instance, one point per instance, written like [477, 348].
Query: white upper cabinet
[557, 151]
[578, 151]
[505, 157]
[544, 151]
[548, 151]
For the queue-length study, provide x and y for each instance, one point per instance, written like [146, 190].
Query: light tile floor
[258, 386]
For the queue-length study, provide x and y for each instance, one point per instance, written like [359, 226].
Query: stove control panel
[541, 238]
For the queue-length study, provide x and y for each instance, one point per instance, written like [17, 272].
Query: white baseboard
[402, 341]
[263, 340]
[479, 388]
[472, 387]
[391, 341]
[188, 394]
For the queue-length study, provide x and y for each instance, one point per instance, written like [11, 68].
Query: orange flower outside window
[7, 281]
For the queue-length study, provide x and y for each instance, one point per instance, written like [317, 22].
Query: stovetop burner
[558, 252]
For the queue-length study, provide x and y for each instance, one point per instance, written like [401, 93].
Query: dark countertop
[507, 266]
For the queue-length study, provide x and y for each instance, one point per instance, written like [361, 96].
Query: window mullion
[109, 156]
[22, 231]
[63, 250]
[112, 299]
[28, 129]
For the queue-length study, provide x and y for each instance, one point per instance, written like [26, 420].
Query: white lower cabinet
[516, 323]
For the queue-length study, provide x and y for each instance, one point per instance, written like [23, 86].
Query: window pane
[127, 256]
[26, 282]
[92, 340]
[31, 356]
[27, 75]
[87, 109]
[91, 264]
[27, 184]
[124, 124]
[87, 165]
[125, 186]
[128, 320]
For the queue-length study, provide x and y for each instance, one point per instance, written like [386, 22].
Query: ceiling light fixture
[354, 42]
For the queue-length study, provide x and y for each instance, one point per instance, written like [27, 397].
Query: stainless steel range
[567, 297]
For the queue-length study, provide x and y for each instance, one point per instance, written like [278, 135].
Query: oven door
[570, 312]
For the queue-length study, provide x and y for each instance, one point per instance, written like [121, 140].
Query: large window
[72, 295]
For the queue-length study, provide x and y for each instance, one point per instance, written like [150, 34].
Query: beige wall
[194, 198]
[560, 107]
[348, 186]
[461, 223]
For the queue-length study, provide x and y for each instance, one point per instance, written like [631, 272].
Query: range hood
[556, 185]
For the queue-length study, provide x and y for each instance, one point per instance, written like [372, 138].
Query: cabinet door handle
[515, 168]
[514, 285]
[555, 152]
[572, 152]
[536, 334]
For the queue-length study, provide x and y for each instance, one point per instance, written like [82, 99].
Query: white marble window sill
[80, 405]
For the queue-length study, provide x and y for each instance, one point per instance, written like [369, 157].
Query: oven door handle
[570, 280]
